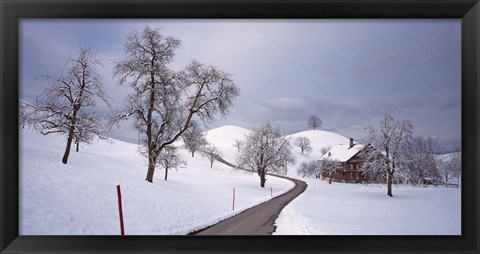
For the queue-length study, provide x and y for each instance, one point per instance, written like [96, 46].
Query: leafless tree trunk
[69, 142]
[389, 184]
[263, 179]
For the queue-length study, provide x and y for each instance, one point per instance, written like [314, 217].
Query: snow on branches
[266, 150]
[67, 105]
[385, 143]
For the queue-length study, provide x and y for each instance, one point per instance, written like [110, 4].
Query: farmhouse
[345, 159]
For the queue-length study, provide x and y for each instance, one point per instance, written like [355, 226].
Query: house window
[351, 166]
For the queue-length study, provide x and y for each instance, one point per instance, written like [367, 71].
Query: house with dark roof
[346, 161]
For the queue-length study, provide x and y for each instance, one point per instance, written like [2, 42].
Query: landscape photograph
[240, 127]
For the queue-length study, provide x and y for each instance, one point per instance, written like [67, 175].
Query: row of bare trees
[318, 168]
[165, 105]
[393, 154]
[392, 148]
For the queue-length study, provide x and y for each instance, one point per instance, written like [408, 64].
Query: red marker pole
[120, 213]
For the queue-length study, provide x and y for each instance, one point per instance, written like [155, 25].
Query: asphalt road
[258, 220]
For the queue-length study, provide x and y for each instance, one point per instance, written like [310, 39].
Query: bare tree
[325, 149]
[170, 159]
[194, 138]
[26, 114]
[303, 170]
[66, 106]
[238, 144]
[266, 151]
[310, 169]
[450, 168]
[211, 152]
[456, 166]
[388, 138]
[329, 167]
[89, 126]
[164, 102]
[304, 144]
[419, 159]
[314, 122]
[372, 171]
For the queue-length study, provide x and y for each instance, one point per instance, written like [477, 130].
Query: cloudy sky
[347, 72]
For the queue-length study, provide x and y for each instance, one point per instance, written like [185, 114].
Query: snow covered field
[80, 198]
[357, 209]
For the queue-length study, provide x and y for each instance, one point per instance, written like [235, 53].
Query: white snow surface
[342, 152]
[224, 137]
[80, 198]
[357, 209]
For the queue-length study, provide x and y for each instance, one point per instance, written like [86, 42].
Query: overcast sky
[347, 72]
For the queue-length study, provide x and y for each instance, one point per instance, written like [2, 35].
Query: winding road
[258, 220]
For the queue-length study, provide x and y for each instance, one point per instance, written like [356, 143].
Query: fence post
[120, 213]
[233, 204]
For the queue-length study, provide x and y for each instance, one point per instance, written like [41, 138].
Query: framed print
[239, 126]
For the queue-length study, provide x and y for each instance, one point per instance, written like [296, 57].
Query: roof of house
[342, 152]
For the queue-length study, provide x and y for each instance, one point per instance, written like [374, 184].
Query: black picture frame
[11, 11]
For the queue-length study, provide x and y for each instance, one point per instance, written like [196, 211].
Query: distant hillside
[447, 156]
[227, 133]
[224, 138]
[321, 139]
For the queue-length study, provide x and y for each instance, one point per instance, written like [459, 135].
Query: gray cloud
[348, 72]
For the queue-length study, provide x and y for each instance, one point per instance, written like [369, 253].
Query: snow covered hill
[80, 198]
[224, 137]
[320, 139]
